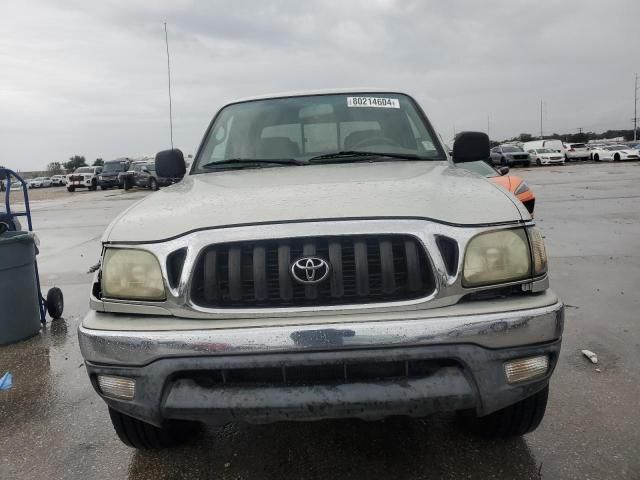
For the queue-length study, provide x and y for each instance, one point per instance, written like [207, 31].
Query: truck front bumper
[365, 370]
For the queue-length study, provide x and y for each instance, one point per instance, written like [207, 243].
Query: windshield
[84, 170]
[481, 167]
[512, 149]
[577, 145]
[113, 167]
[616, 147]
[301, 128]
[544, 150]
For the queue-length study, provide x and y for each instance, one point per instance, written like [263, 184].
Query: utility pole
[635, 110]
[166, 40]
[540, 118]
[579, 129]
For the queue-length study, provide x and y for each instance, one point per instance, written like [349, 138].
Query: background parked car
[550, 143]
[576, 151]
[615, 153]
[508, 155]
[110, 176]
[83, 177]
[513, 183]
[58, 180]
[545, 156]
[39, 182]
[144, 175]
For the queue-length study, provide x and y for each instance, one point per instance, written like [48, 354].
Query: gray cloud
[89, 77]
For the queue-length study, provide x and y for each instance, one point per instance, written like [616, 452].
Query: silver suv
[322, 258]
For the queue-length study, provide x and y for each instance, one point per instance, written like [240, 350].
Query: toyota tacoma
[322, 258]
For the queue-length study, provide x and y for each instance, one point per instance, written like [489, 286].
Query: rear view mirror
[503, 170]
[470, 147]
[170, 164]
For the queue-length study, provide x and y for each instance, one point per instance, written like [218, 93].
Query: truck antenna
[166, 41]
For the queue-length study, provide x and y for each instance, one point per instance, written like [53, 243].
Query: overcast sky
[89, 78]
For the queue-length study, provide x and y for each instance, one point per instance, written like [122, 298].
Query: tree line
[579, 137]
[77, 161]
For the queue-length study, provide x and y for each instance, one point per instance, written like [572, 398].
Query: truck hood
[422, 189]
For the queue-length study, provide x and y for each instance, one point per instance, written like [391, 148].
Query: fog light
[526, 368]
[117, 387]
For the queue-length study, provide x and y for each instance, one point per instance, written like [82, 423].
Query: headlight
[538, 251]
[131, 274]
[523, 187]
[496, 257]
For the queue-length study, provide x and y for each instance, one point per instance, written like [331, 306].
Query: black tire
[616, 157]
[55, 303]
[127, 184]
[538, 162]
[144, 436]
[102, 187]
[71, 189]
[596, 157]
[153, 184]
[94, 186]
[120, 186]
[515, 420]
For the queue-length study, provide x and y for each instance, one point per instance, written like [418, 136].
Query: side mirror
[170, 164]
[470, 147]
[503, 170]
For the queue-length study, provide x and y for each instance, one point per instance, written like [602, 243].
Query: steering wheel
[367, 142]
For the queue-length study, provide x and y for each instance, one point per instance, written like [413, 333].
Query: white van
[551, 144]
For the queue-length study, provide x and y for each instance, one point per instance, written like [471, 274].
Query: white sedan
[615, 153]
[545, 156]
[39, 182]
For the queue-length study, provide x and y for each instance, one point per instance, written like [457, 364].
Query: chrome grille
[364, 269]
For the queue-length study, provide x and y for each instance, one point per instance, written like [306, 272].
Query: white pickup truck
[83, 177]
[322, 258]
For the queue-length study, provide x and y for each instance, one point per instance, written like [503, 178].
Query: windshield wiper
[252, 162]
[363, 156]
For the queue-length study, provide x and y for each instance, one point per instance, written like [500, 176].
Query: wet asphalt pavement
[53, 425]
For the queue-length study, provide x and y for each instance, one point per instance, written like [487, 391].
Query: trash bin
[19, 301]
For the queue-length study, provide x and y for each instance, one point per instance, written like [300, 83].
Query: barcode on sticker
[377, 102]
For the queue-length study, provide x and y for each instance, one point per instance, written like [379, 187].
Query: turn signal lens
[496, 257]
[538, 251]
[132, 274]
[526, 368]
[117, 387]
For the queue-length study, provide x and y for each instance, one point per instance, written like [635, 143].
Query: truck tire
[71, 189]
[144, 436]
[55, 303]
[94, 185]
[514, 420]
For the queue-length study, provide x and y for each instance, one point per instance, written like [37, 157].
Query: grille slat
[259, 273]
[387, 267]
[211, 289]
[235, 273]
[363, 269]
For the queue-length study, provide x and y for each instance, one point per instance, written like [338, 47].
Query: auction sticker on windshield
[377, 102]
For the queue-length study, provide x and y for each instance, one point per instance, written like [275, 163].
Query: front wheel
[515, 420]
[538, 162]
[71, 189]
[616, 157]
[141, 435]
[596, 157]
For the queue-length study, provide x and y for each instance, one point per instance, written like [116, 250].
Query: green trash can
[19, 301]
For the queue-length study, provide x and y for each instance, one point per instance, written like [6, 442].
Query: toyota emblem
[310, 270]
